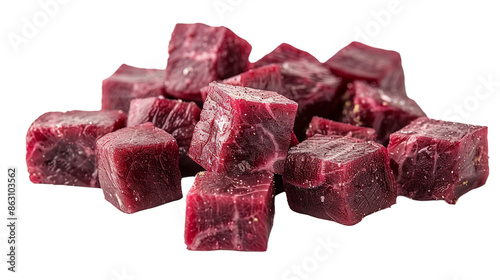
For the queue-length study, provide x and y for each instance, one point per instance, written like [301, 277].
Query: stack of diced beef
[248, 131]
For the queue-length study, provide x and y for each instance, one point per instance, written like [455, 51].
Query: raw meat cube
[282, 53]
[243, 130]
[338, 178]
[294, 141]
[328, 127]
[434, 159]
[138, 168]
[368, 106]
[128, 83]
[307, 82]
[175, 117]
[229, 213]
[379, 67]
[200, 54]
[314, 88]
[60, 146]
[266, 77]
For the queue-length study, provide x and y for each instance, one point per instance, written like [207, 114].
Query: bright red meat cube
[368, 106]
[60, 146]
[378, 67]
[130, 82]
[139, 168]
[266, 78]
[338, 178]
[434, 159]
[176, 117]
[229, 213]
[200, 54]
[243, 130]
[328, 127]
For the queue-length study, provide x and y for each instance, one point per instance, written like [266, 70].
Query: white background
[449, 50]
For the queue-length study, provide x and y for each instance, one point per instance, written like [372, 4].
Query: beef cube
[434, 159]
[368, 106]
[176, 117]
[328, 127]
[60, 146]
[266, 78]
[139, 168]
[128, 83]
[229, 213]
[200, 54]
[378, 67]
[315, 90]
[338, 178]
[307, 82]
[283, 53]
[243, 130]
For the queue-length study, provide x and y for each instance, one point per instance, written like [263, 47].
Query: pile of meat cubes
[341, 138]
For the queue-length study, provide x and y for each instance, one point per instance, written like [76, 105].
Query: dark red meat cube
[434, 159]
[128, 83]
[368, 106]
[283, 53]
[200, 54]
[378, 67]
[139, 168]
[266, 78]
[243, 130]
[338, 178]
[305, 81]
[176, 117]
[328, 127]
[229, 213]
[60, 146]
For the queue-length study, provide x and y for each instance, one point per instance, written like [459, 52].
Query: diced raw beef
[307, 82]
[128, 83]
[434, 159]
[378, 67]
[243, 130]
[328, 127]
[314, 88]
[368, 106]
[229, 213]
[266, 78]
[294, 141]
[338, 178]
[175, 117]
[60, 146]
[139, 168]
[283, 53]
[200, 54]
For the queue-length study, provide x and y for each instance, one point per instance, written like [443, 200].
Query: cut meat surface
[139, 168]
[130, 82]
[338, 178]
[434, 159]
[368, 106]
[328, 127]
[243, 130]
[176, 117]
[200, 54]
[60, 146]
[307, 82]
[378, 67]
[266, 78]
[282, 53]
[229, 213]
